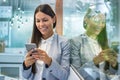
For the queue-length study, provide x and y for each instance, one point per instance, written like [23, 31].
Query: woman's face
[95, 24]
[44, 24]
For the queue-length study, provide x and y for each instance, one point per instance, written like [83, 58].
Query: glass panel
[16, 20]
[73, 17]
[113, 27]
[73, 21]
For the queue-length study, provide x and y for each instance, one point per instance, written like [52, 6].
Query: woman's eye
[45, 20]
[37, 20]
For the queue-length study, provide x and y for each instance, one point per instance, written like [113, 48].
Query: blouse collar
[49, 40]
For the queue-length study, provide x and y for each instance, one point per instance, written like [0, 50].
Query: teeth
[44, 28]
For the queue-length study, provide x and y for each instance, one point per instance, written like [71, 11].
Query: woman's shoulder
[61, 38]
[76, 39]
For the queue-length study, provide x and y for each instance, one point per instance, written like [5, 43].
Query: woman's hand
[42, 55]
[110, 56]
[29, 59]
[98, 59]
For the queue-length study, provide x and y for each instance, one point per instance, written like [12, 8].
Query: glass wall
[73, 17]
[16, 20]
[73, 20]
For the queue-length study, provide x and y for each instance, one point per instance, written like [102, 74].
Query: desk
[12, 57]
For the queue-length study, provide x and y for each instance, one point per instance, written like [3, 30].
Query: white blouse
[45, 45]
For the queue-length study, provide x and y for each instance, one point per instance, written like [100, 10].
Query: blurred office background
[16, 20]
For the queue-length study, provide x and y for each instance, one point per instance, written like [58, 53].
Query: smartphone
[30, 46]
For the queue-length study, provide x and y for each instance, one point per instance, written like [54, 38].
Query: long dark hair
[36, 35]
[103, 39]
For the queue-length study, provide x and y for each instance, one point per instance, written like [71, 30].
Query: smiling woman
[51, 60]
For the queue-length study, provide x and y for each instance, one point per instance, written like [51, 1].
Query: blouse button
[50, 70]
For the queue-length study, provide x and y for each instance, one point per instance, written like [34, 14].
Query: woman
[91, 49]
[50, 61]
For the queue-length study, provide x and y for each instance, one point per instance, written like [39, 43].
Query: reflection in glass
[73, 17]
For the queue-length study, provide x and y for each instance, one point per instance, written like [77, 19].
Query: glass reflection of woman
[93, 46]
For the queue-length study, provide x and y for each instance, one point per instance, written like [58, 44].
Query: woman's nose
[41, 23]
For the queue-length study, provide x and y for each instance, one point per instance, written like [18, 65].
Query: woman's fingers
[29, 61]
[29, 53]
[42, 55]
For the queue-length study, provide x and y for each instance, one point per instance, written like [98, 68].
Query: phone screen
[30, 46]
